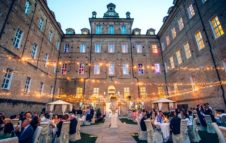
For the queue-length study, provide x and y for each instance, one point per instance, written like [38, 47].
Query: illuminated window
[154, 48]
[224, 64]
[125, 69]
[64, 69]
[97, 48]
[199, 40]
[191, 11]
[167, 40]
[126, 92]
[180, 23]
[160, 91]
[179, 59]
[46, 59]
[18, 38]
[139, 48]
[111, 48]
[193, 85]
[27, 85]
[27, 7]
[111, 29]
[54, 68]
[40, 24]
[66, 48]
[98, 29]
[187, 50]
[123, 29]
[96, 69]
[81, 69]
[34, 51]
[111, 69]
[79, 91]
[140, 69]
[95, 91]
[7, 79]
[174, 33]
[143, 92]
[157, 68]
[50, 36]
[172, 62]
[216, 27]
[82, 48]
[124, 47]
[41, 90]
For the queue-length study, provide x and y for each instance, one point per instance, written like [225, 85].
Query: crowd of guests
[28, 123]
[173, 118]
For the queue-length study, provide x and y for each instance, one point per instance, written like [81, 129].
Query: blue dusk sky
[76, 13]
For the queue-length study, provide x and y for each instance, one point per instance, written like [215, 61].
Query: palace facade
[184, 61]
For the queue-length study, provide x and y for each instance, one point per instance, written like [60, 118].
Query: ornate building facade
[184, 61]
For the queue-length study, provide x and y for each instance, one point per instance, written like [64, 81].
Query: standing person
[200, 113]
[72, 129]
[209, 111]
[175, 128]
[26, 135]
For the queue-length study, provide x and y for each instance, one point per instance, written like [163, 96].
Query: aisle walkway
[107, 135]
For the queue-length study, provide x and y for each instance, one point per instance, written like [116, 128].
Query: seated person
[26, 135]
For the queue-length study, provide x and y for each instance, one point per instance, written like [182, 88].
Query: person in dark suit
[73, 125]
[8, 128]
[175, 127]
[142, 123]
[26, 135]
[91, 112]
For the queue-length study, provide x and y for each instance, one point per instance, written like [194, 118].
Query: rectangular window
[216, 27]
[97, 48]
[111, 48]
[96, 91]
[199, 40]
[187, 50]
[46, 59]
[154, 48]
[193, 85]
[58, 44]
[124, 47]
[82, 48]
[161, 91]
[111, 29]
[40, 24]
[126, 92]
[98, 29]
[64, 69]
[166, 67]
[27, 7]
[175, 87]
[51, 90]
[50, 36]
[191, 11]
[54, 68]
[143, 92]
[179, 59]
[34, 51]
[157, 68]
[41, 90]
[81, 70]
[163, 46]
[18, 38]
[172, 62]
[174, 33]
[224, 64]
[66, 48]
[7, 79]
[27, 85]
[79, 91]
[167, 40]
[180, 23]
[123, 29]
[139, 48]
[125, 69]
[140, 69]
[111, 69]
[96, 69]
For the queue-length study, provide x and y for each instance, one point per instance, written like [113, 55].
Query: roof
[59, 102]
[163, 100]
